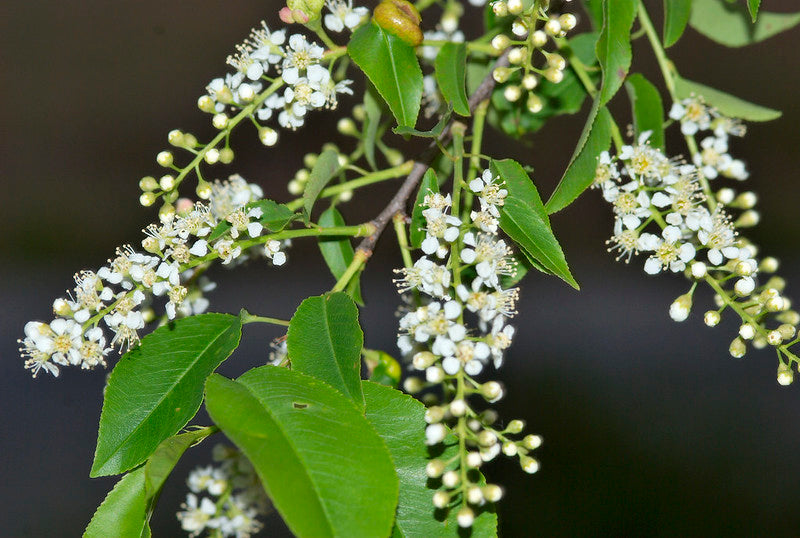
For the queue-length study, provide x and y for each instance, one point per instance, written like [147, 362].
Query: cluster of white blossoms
[343, 15]
[459, 325]
[225, 500]
[713, 157]
[119, 294]
[693, 231]
[266, 57]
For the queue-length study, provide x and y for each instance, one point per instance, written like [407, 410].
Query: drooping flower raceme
[456, 330]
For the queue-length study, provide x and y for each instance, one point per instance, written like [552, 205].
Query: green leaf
[435, 132]
[584, 46]
[614, 45]
[594, 8]
[730, 24]
[727, 104]
[326, 470]
[429, 183]
[382, 367]
[372, 120]
[275, 217]
[451, 75]
[122, 512]
[392, 66]
[325, 341]
[524, 219]
[324, 169]
[156, 388]
[159, 466]
[338, 251]
[752, 6]
[400, 420]
[676, 17]
[648, 109]
[595, 139]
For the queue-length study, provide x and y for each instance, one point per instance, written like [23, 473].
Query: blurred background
[650, 427]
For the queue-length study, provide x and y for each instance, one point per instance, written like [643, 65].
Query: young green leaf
[325, 341]
[324, 169]
[614, 45]
[159, 466]
[594, 8]
[382, 367]
[435, 132]
[123, 511]
[275, 217]
[338, 251]
[326, 470]
[400, 420]
[648, 109]
[752, 6]
[392, 66]
[451, 75]
[156, 388]
[595, 139]
[730, 24]
[429, 184]
[372, 120]
[676, 17]
[584, 46]
[524, 219]
[727, 104]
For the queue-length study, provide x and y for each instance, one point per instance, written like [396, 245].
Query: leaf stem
[246, 317]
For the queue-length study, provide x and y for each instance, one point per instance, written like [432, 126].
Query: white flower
[194, 518]
[273, 251]
[302, 59]
[227, 251]
[490, 191]
[693, 114]
[266, 45]
[667, 252]
[343, 15]
[713, 157]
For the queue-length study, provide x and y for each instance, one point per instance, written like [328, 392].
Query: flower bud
[500, 42]
[539, 39]
[220, 121]
[552, 27]
[512, 93]
[148, 183]
[787, 331]
[557, 61]
[501, 74]
[434, 374]
[515, 7]
[519, 28]
[534, 103]
[487, 438]
[400, 18]
[790, 316]
[768, 265]
[532, 442]
[500, 8]
[458, 408]
[167, 183]
[774, 338]
[747, 331]
[166, 213]
[412, 385]
[164, 159]
[528, 464]
[206, 104]
[441, 499]
[474, 460]
[434, 414]
[785, 375]
[451, 479]
[203, 190]
[268, 136]
[515, 426]
[746, 200]
[748, 219]
[529, 82]
[554, 75]
[175, 137]
[517, 55]
[492, 391]
[246, 92]
[434, 468]
[711, 318]
[347, 126]
[568, 21]
[211, 156]
[738, 348]
[509, 449]
[492, 493]
[474, 495]
[744, 286]
[465, 517]
[726, 195]
[226, 155]
[680, 308]
[434, 434]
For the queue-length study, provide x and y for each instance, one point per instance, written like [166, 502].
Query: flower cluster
[298, 61]
[459, 325]
[119, 294]
[343, 15]
[694, 232]
[532, 30]
[226, 499]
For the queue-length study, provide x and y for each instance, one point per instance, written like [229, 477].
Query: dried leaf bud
[400, 18]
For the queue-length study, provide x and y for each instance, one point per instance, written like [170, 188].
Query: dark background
[650, 427]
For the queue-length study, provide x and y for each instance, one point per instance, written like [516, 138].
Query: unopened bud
[568, 21]
[515, 7]
[412, 385]
[509, 449]
[785, 375]
[554, 75]
[434, 414]
[539, 39]
[515, 426]
[175, 137]
[679, 310]
[787, 331]
[474, 495]
[226, 155]
[737, 348]
[492, 391]
[164, 159]
[512, 93]
[203, 190]
[746, 200]
[699, 270]
[500, 8]
[528, 464]
[774, 338]
[532, 442]
[211, 156]
[768, 265]
[534, 103]
[434, 434]
[465, 517]
[748, 219]
[500, 42]
[434, 468]
[347, 126]
[519, 28]
[451, 479]
[517, 55]
[474, 460]
[726, 196]
[501, 74]
[458, 408]
[206, 104]
[744, 286]
[167, 183]
[711, 318]
[246, 92]
[268, 136]
[492, 493]
[220, 121]
[553, 27]
[530, 81]
[148, 183]
[441, 499]
[487, 438]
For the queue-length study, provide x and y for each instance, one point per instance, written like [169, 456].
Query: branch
[421, 163]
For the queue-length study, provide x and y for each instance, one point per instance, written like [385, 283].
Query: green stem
[246, 317]
[458, 130]
[402, 239]
[359, 260]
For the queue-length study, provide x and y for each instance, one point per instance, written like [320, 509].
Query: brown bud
[400, 18]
